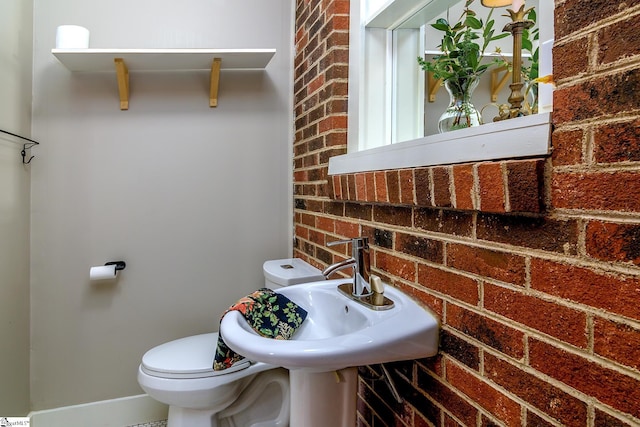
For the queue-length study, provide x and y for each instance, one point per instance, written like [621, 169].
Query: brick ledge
[497, 187]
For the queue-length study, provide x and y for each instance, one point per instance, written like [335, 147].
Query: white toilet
[180, 373]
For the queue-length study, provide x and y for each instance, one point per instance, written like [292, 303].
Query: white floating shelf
[122, 61]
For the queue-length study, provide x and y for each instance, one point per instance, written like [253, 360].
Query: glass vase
[460, 113]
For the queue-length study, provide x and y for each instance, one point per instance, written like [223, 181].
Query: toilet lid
[190, 357]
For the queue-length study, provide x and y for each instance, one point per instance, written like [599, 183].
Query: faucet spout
[360, 263]
[350, 262]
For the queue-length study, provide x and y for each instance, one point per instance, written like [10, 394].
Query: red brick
[565, 408]
[445, 396]
[450, 422]
[339, 71]
[573, 15]
[610, 387]
[317, 237]
[381, 187]
[423, 189]
[326, 224]
[575, 56]
[347, 229]
[333, 208]
[316, 83]
[457, 223]
[441, 187]
[567, 147]
[332, 123]
[618, 142]
[370, 187]
[604, 96]
[463, 182]
[490, 332]
[396, 215]
[361, 188]
[344, 187]
[558, 321]
[453, 285]
[613, 242]
[602, 419]
[433, 302]
[494, 401]
[614, 293]
[617, 341]
[462, 350]
[393, 186]
[597, 190]
[422, 247]
[334, 88]
[396, 266]
[406, 187]
[308, 219]
[527, 231]
[300, 176]
[337, 189]
[341, 22]
[526, 185]
[619, 40]
[336, 139]
[488, 263]
[302, 232]
[351, 185]
[533, 420]
[491, 187]
[315, 205]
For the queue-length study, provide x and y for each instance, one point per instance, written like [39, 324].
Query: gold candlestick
[516, 27]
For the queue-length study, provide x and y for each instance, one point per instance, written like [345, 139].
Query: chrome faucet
[359, 262]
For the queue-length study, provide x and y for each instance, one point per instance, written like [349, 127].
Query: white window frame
[522, 137]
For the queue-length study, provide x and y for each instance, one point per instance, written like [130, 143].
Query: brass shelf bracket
[122, 73]
[498, 81]
[433, 85]
[215, 81]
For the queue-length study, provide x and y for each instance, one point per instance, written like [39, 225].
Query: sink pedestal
[322, 399]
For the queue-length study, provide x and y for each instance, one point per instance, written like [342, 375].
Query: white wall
[193, 199]
[15, 117]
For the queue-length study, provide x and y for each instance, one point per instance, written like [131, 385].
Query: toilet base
[183, 417]
[263, 403]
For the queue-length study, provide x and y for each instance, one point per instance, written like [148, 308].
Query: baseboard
[126, 411]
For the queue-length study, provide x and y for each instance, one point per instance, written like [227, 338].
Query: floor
[162, 423]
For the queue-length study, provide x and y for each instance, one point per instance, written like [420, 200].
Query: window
[387, 89]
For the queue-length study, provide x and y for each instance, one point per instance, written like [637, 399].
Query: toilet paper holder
[120, 265]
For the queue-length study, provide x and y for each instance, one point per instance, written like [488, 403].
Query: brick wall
[533, 265]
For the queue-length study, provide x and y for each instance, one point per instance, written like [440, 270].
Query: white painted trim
[522, 137]
[126, 411]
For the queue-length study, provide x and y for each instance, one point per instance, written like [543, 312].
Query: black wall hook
[25, 146]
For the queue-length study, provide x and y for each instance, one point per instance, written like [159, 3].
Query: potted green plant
[460, 64]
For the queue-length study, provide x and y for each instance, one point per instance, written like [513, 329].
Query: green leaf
[500, 36]
[441, 24]
[473, 22]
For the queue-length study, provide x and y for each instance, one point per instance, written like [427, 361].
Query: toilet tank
[289, 271]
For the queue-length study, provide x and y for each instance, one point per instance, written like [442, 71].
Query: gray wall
[193, 199]
[15, 117]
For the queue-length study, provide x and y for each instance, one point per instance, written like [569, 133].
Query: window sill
[522, 137]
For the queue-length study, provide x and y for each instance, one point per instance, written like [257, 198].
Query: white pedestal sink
[338, 335]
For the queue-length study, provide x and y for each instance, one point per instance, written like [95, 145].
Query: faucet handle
[358, 242]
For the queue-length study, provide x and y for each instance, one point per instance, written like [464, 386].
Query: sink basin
[339, 332]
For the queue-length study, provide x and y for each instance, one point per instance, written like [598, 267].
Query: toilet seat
[185, 358]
